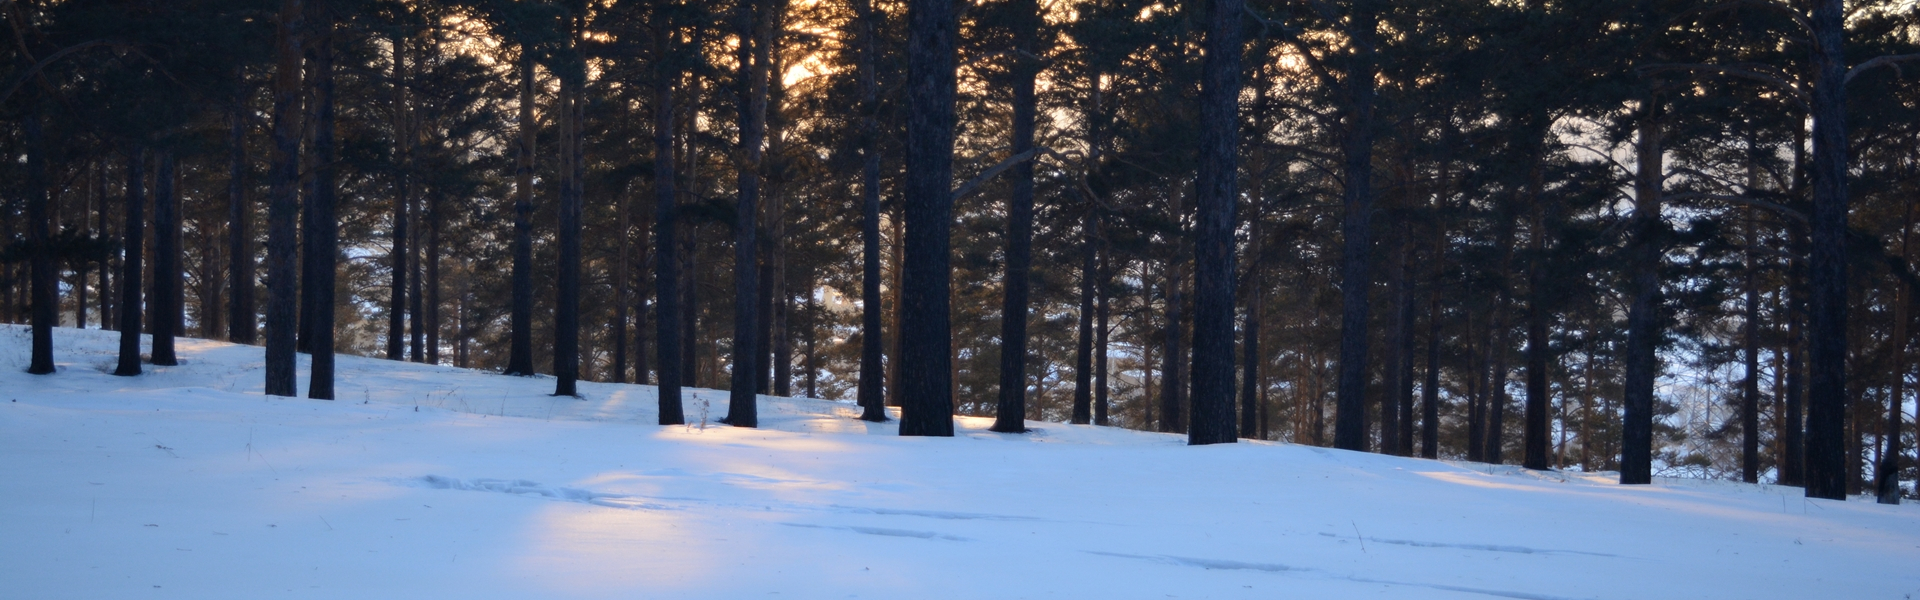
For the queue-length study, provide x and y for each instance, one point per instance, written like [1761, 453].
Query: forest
[1659, 237]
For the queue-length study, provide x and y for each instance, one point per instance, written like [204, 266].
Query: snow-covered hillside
[434, 482]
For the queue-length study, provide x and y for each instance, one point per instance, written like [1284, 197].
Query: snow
[436, 482]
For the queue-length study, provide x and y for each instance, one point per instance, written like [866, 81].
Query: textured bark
[566, 312]
[1750, 386]
[1010, 416]
[402, 196]
[1172, 377]
[1642, 365]
[241, 320]
[46, 299]
[925, 299]
[1827, 266]
[432, 221]
[751, 57]
[1397, 329]
[520, 321]
[1536, 437]
[1101, 331]
[282, 207]
[133, 239]
[871, 393]
[666, 273]
[324, 230]
[1350, 422]
[1082, 412]
[168, 294]
[1253, 388]
[1217, 183]
[1430, 390]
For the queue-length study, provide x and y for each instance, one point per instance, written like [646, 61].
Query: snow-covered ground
[434, 482]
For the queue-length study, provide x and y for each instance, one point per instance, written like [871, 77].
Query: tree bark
[324, 230]
[1253, 387]
[520, 345]
[282, 209]
[46, 298]
[871, 393]
[666, 273]
[751, 56]
[1827, 266]
[1536, 437]
[1217, 183]
[167, 295]
[1100, 332]
[1643, 321]
[925, 299]
[566, 314]
[402, 197]
[133, 234]
[1171, 376]
[1010, 416]
[1350, 425]
[1887, 473]
[241, 319]
[1398, 329]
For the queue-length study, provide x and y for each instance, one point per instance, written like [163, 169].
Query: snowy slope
[434, 482]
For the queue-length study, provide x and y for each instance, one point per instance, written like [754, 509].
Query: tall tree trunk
[1100, 333]
[108, 320]
[752, 59]
[871, 392]
[1643, 320]
[1538, 426]
[1350, 425]
[433, 224]
[1750, 387]
[402, 193]
[1827, 266]
[324, 230]
[1430, 390]
[566, 314]
[241, 319]
[925, 299]
[1497, 382]
[1217, 183]
[622, 263]
[666, 272]
[1083, 342]
[1171, 376]
[81, 267]
[1398, 329]
[1887, 473]
[282, 207]
[46, 299]
[133, 231]
[1253, 387]
[520, 344]
[1478, 341]
[1010, 416]
[167, 295]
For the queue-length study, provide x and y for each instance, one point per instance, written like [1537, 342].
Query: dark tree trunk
[1887, 474]
[622, 263]
[871, 393]
[402, 197]
[1398, 329]
[1171, 376]
[283, 207]
[1217, 183]
[1793, 431]
[81, 267]
[1253, 387]
[432, 219]
[520, 345]
[925, 298]
[1643, 321]
[1430, 390]
[810, 316]
[1827, 267]
[1010, 416]
[1404, 439]
[1497, 383]
[566, 314]
[167, 295]
[1750, 387]
[1083, 342]
[666, 273]
[324, 230]
[1100, 332]
[1350, 422]
[241, 320]
[1538, 431]
[46, 299]
[107, 316]
[752, 59]
[133, 240]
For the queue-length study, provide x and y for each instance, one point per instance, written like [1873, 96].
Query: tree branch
[967, 188]
[1890, 60]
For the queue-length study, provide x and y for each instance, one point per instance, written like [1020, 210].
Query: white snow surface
[436, 482]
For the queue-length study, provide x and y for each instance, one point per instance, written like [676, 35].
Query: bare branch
[1890, 60]
[967, 188]
[1778, 81]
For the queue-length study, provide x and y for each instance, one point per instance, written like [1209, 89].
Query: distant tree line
[1652, 237]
